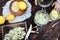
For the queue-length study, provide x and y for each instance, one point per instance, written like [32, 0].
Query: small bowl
[35, 29]
[44, 4]
[18, 13]
[41, 22]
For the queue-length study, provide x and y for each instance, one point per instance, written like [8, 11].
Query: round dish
[19, 12]
[41, 18]
[21, 18]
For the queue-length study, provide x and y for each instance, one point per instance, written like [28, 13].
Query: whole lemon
[22, 5]
[54, 14]
[2, 20]
[10, 17]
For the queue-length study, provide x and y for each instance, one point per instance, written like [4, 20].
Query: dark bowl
[45, 3]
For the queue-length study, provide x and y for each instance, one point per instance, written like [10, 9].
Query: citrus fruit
[22, 5]
[53, 15]
[59, 16]
[14, 7]
[10, 17]
[2, 20]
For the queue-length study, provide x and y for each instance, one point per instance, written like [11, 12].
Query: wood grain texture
[47, 32]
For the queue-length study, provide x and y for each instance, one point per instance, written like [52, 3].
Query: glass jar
[45, 3]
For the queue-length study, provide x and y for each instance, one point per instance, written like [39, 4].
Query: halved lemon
[54, 15]
[22, 5]
[14, 7]
[10, 17]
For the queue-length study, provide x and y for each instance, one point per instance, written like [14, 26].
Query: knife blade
[28, 33]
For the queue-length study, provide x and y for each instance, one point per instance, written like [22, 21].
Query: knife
[28, 33]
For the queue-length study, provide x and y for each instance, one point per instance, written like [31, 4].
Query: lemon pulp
[22, 5]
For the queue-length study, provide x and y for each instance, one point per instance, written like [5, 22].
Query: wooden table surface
[43, 35]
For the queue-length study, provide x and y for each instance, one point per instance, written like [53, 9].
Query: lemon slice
[15, 7]
[54, 14]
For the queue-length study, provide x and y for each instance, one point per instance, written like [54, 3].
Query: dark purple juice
[45, 2]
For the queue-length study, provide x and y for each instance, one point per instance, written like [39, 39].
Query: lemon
[2, 20]
[54, 14]
[10, 17]
[59, 16]
[22, 5]
[15, 7]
